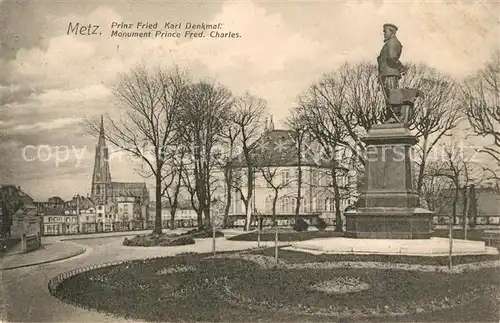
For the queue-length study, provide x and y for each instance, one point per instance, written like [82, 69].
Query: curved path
[24, 296]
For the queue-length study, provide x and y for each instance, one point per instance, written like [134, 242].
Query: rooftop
[278, 148]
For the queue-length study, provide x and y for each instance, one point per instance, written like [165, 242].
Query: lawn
[285, 234]
[197, 287]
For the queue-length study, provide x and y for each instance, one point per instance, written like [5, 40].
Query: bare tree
[174, 182]
[352, 98]
[271, 175]
[436, 189]
[481, 99]
[247, 120]
[149, 103]
[332, 136]
[435, 114]
[229, 136]
[203, 118]
[299, 135]
[456, 166]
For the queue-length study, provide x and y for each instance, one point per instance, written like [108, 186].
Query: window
[320, 206]
[305, 206]
[341, 181]
[294, 205]
[269, 204]
[295, 179]
[237, 204]
[287, 205]
[282, 206]
[97, 189]
[314, 177]
[332, 204]
[285, 177]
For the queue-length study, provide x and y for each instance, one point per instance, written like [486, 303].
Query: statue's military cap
[391, 26]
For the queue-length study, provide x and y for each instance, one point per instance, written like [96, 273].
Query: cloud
[283, 48]
[51, 125]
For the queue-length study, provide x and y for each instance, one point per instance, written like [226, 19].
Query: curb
[102, 237]
[77, 253]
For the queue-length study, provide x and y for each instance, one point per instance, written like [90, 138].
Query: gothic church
[106, 192]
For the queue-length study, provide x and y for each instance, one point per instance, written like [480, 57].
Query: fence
[54, 283]
[281, 220]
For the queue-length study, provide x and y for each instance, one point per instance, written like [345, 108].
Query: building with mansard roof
[275, 160]
[107, 194]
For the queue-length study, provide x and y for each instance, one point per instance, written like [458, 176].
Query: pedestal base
[427, 247]
[389, 223]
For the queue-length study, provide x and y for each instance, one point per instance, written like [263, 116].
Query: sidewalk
[48, 252]
[55, 248]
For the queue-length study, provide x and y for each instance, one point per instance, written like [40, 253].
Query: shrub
[150, 240]
[300, 225]
[199, 234]
[321, 224]
[181, 241]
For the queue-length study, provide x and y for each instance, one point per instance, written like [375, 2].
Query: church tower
[101, 179]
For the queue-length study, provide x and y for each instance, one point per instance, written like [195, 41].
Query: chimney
[271, 123]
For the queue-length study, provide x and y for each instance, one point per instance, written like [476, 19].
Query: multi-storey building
[58, 221]
[274, 166]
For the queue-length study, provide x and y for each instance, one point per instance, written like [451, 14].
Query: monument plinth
[388, 207]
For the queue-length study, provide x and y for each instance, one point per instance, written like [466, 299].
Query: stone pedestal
[388, 207]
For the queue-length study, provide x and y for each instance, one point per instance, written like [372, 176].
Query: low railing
[57, 280]
[54, 283]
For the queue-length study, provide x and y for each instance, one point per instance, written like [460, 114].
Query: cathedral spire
[101, 142]
[271, 123]
[101, 179]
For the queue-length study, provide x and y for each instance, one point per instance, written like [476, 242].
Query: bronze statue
[390, 69]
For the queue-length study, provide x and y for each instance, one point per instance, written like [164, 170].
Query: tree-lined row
[166, 116]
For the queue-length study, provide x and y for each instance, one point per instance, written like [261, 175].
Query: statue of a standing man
[390, 68]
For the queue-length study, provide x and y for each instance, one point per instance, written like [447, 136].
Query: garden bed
[197, 287]
[165, 240]
[304, 257]
[285, 234]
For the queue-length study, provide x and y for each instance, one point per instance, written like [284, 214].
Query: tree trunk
[157, 228]
[299, 191]
[229, 180]
[275, 200]
[199, 218]
[455, 201]
[466, 208]
[172, 218]
[421, 170]
[338, 214]
[249, 205]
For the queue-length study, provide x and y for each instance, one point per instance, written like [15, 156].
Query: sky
[50, 80]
